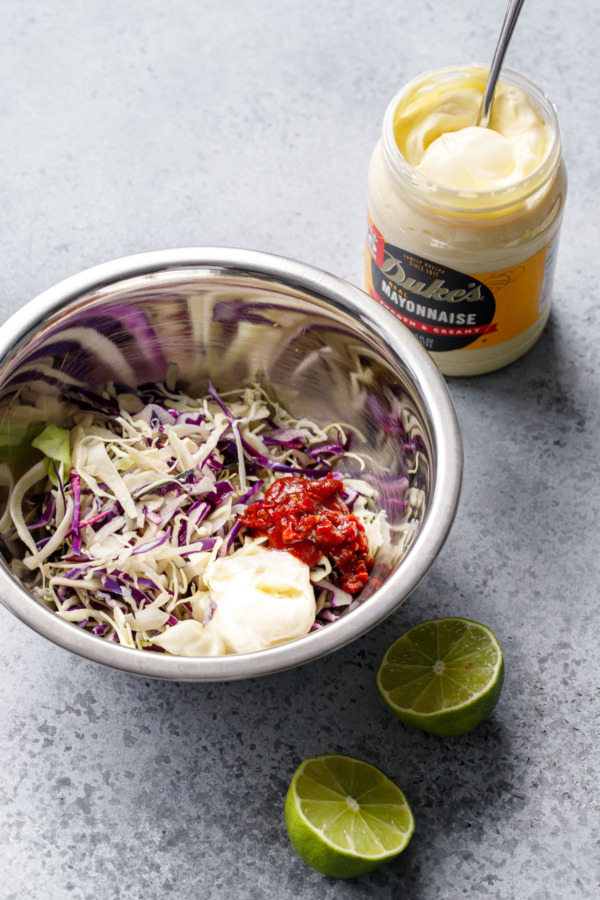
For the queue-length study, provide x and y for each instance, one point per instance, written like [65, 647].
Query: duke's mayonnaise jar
[464, 221]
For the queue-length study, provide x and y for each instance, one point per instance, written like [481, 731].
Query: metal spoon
[510, 20]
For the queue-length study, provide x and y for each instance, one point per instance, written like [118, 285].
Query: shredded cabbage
[130, 507]
[55, 443]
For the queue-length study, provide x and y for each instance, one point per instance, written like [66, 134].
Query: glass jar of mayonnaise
[463, 220]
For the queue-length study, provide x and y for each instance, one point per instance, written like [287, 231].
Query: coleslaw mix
[131, 519]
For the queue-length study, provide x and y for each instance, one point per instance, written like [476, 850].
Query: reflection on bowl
[324, 348]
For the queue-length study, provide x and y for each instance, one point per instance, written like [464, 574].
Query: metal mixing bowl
[328, 350]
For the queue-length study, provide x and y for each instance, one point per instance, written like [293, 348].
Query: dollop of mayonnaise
[258, 598]
[263, 597]
[438, 136]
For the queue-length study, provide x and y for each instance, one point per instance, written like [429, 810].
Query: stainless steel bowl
[329, 351]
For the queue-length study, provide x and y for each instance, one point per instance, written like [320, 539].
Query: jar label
[450, 310]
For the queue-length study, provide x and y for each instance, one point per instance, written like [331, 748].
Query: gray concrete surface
[139, 125]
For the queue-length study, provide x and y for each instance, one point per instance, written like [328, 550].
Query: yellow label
[450, 310]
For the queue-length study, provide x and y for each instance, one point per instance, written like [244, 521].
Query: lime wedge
[443, 676]
[345, 817]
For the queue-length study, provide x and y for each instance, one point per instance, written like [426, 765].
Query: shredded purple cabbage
[130, 522]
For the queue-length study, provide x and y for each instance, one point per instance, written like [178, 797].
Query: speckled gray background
[144, 124]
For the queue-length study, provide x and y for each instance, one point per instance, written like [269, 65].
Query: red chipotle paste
[309, 519]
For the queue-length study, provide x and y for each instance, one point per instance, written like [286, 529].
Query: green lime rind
[443, 676]
[344, 817]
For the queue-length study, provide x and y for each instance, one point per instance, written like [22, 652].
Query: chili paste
[309, 519]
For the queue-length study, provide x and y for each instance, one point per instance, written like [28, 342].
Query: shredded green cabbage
[55, 443]
[124, 515]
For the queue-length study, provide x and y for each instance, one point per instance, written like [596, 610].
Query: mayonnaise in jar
[463, 220]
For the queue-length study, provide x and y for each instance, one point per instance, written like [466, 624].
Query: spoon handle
[510, 20]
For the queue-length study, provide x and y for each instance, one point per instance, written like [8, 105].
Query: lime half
[443, 676]
[345, 817]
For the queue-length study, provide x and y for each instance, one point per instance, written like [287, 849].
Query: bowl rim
[421, 369]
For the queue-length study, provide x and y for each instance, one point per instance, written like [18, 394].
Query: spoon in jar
[510, 20]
